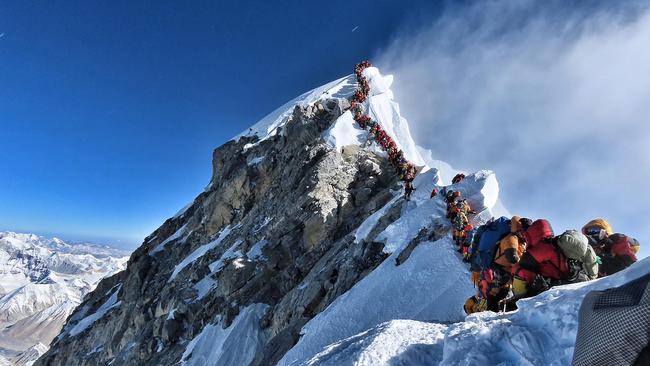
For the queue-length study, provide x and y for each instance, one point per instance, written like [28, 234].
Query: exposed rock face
[275, 227]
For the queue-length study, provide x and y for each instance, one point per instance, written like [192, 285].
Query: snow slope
[541, 332]
[41, 282]
[396, 342]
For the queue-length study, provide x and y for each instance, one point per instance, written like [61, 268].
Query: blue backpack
[493, 232]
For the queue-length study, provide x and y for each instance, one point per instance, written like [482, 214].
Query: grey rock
[304, 200]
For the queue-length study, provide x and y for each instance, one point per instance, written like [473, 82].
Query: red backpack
[545, 259]
[537, 232]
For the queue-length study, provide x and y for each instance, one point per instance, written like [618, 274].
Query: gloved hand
[540, 284]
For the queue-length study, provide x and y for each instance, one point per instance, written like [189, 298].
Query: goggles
[593, 230]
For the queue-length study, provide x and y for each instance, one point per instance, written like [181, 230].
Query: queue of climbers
[405, 170]
[514, 258]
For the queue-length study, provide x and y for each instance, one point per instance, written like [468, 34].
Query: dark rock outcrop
[290, 205]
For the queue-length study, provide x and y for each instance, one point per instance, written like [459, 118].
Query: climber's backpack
[576, 246]
[489, 240]
[460, 221]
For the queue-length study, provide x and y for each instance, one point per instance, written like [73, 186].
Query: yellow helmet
[599, 223]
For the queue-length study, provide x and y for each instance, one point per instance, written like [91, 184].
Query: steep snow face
[384, 110]
[42, 280]
[541, 332]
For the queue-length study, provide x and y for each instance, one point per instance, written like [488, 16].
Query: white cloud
[555, 100]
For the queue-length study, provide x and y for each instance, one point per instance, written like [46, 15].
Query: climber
[450, 198]
[460, 224]
[458, 178]
[408, 190]
[581, 258]
[475, 267]
[552, 261]
[362, 120]
[496, 280]
[434, 192]
[411, 172]
[392, 155]
[616, 251]
[358, 96]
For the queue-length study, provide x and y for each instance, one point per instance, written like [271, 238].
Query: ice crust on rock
[345, 132]
[199, 252]
[84, 323]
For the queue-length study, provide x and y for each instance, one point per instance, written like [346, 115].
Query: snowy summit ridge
[289, 257]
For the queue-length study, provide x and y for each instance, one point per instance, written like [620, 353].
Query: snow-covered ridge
[270, 124]
[344, 132]
[42, 280]
[381, 108]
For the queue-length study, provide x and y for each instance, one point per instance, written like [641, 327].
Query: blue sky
[109, 111]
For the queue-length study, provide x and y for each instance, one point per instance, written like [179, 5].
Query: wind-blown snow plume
[562, 94]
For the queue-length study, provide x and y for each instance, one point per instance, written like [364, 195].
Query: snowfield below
[41, 282]
[541, 332]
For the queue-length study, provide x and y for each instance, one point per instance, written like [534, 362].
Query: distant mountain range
[42, 280]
